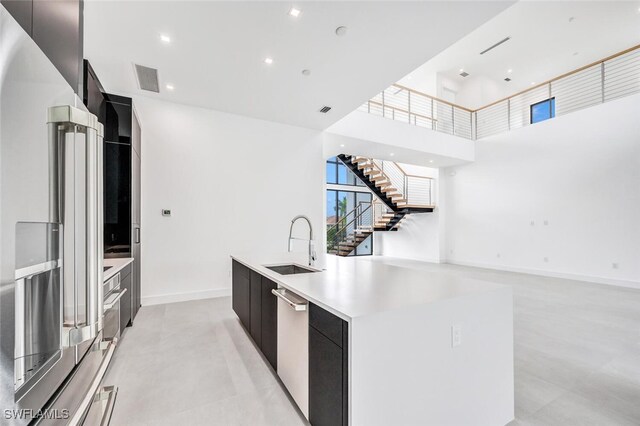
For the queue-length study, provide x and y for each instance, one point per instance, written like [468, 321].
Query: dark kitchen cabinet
[241, 293]
[328, 368]
[255, 328]
[125, 302]
[122, 187]
[22, 12]
[136, 210]
[93, 92]
[269, 322]
[118, 119]
[257, 308]
[57, 28]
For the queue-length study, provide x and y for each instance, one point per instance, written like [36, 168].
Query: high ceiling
[215, 57]
[548, 38]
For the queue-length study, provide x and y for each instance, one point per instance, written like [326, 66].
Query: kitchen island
[418, 348]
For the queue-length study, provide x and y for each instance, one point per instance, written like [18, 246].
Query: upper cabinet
[119, 111]
[21, 10]
[56, 26]
[93, 93]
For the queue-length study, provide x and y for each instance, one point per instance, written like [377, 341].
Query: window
[339, 174]
[543, 110]
[340, 206]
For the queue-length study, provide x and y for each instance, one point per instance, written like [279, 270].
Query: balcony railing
[417, 108]
[610, 78]
[601, 81]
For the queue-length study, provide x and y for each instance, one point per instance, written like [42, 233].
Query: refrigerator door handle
[137, 235]
[75, 132]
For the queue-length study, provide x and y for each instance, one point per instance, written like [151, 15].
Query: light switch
[456, 335]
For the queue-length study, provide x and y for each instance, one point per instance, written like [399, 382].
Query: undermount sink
[290, 269]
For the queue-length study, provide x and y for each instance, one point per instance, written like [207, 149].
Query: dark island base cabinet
[257, 310]
[328, 368]
[256, 307]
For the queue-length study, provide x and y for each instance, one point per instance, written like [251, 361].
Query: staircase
[399, 194]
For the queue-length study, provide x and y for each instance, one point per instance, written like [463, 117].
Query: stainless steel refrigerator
[51, 351]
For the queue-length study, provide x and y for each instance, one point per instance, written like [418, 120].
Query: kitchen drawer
[326, 323]
[126, 271]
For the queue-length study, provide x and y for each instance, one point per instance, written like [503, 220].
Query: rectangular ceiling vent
[325, 109]
[504, 40]
[464, 73]
[147, 78]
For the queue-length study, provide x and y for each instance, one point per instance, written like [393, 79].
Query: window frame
[336, 179]
[354, 194]
[552, 109]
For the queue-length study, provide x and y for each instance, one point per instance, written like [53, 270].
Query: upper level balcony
[610, 78]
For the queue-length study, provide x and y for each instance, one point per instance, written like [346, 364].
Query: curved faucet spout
[312, 253]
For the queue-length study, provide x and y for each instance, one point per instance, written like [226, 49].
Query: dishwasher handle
[296, 305]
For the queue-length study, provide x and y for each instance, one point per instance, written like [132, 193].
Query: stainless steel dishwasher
[293, 346]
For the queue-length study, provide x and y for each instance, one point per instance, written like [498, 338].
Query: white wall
[566, 190]
[377, 137]
[232, 183]
[420, 234]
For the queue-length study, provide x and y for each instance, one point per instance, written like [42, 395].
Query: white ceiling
[548, 38]
[217, 51]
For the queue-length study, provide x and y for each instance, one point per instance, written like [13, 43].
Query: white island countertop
[116, 265]
[352, 287]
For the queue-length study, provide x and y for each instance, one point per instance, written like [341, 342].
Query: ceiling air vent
[507, 79]
[504, 40]
[325, 109]
[464, 73]
[147, 78]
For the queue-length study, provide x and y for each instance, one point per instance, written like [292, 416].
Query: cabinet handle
[111, 303]
[297, 306]
[137, 235]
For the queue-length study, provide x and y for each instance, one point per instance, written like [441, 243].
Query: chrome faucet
[312, 252]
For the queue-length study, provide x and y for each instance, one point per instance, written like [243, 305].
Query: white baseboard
[541, 272]
[184, 297]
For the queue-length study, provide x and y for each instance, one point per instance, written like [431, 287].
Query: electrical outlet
[533, 223]
[456, 335]
[166, 212]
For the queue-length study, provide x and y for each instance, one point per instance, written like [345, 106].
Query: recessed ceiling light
[409, 78]
[392, 154]
[294, 12]
[509, 71]
[341, 31]
[533, 82]
[268, 61]
[165, 38]
[169, 86]
[341, 145]
[431, 161]
[461, 69]
[306, 73]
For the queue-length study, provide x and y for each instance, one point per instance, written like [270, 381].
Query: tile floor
[577, 359]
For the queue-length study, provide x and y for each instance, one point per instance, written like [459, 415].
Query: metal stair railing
[417, 191]
[362, 220]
